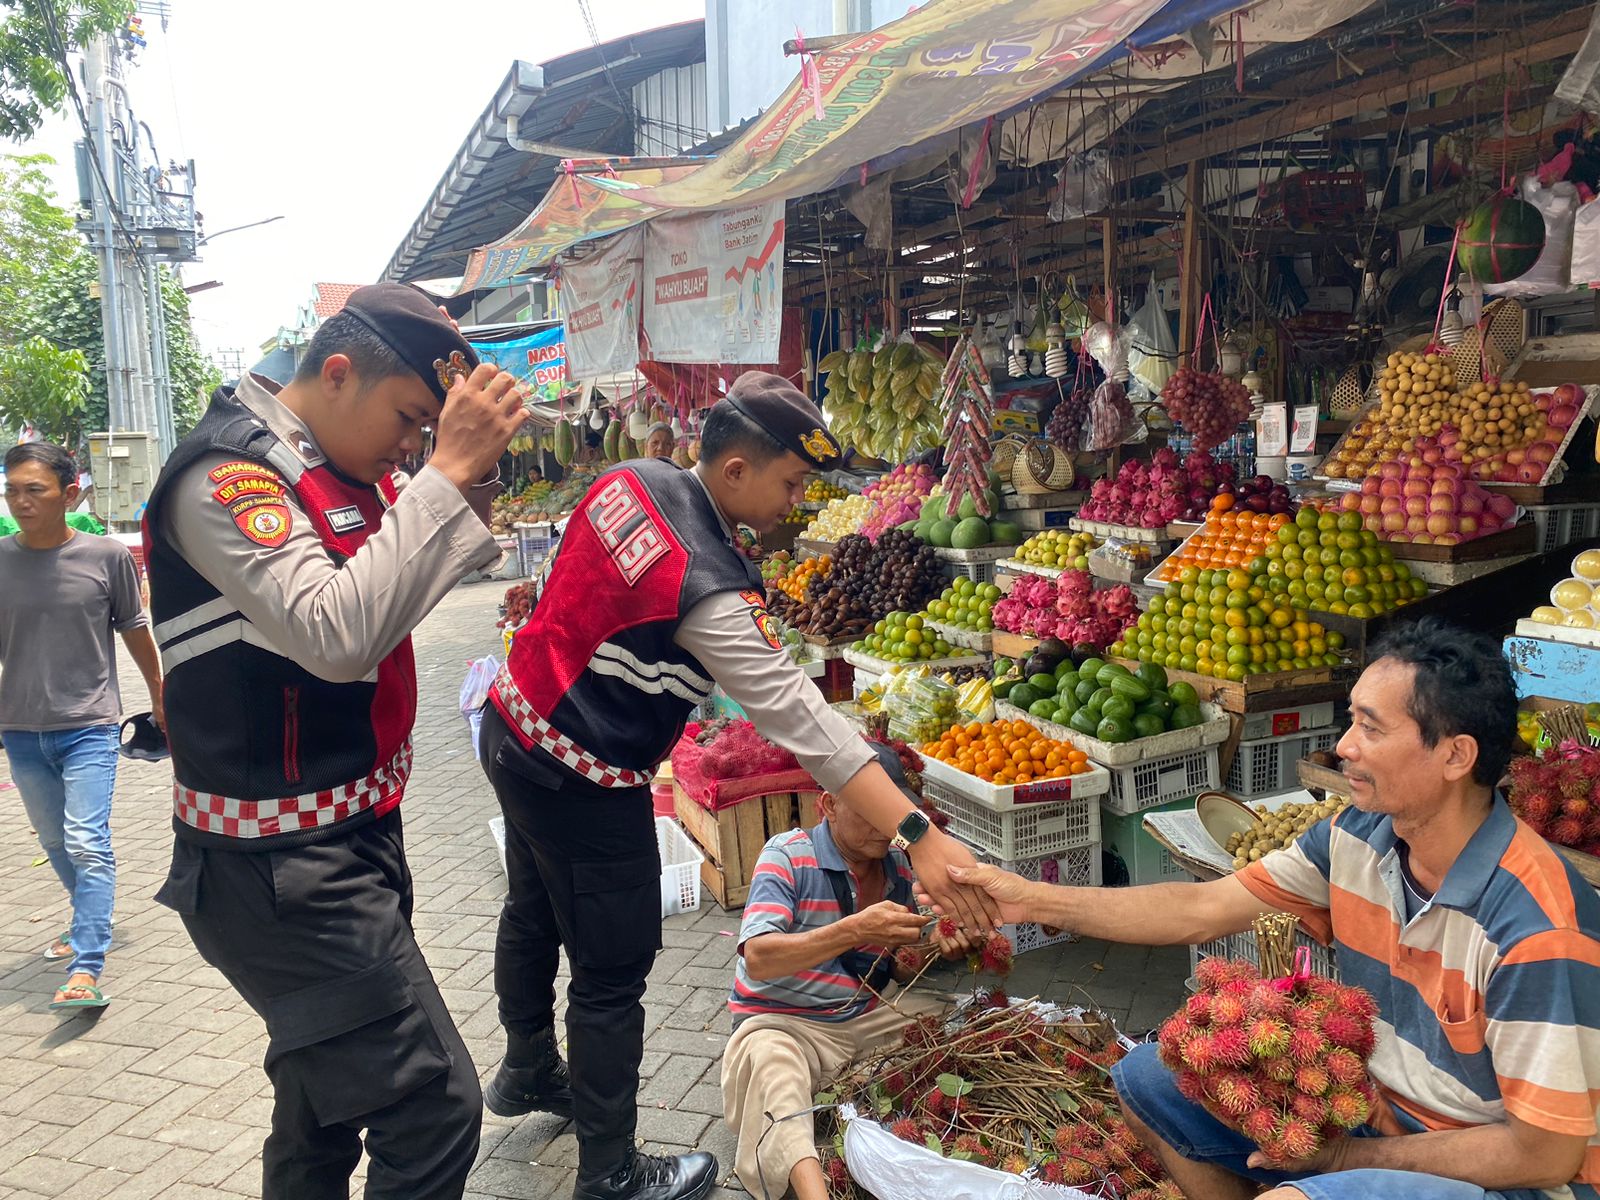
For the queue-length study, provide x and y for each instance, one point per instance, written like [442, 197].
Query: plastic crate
[1032, 831]
[1266, 765]
[1158, 780]
[1287, 720]
[534, 542]
[1243, 945]
[680, 868]
[1130, 850]
[1074, 868]
[977, 572]
[1558, 525]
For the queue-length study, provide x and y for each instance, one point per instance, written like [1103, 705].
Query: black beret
[412, 326]
[890, 762]
[783, 410]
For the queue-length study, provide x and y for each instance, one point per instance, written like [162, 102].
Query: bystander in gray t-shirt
[58, 610]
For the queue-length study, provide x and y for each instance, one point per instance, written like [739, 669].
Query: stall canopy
[944, 66]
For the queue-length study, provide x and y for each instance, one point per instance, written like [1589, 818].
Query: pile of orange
[794, 584]
[1231, 537]
[1007, 752]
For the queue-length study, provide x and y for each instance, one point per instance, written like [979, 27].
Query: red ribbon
[1301, 972]
[978, 160]
[572, 179]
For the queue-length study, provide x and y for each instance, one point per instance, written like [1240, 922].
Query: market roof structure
[576, 105]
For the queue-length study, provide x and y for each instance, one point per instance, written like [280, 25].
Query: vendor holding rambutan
[1467, 946]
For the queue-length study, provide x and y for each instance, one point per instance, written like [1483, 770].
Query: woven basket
[1041, 468]
[1505, 329]
[1005, 453]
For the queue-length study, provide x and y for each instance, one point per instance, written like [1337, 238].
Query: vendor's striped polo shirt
[789, 893]
[1488, 999]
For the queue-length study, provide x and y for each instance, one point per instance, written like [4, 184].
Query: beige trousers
[777, 1063]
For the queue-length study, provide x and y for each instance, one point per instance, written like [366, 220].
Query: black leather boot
[647, 1177]
[532, 1078]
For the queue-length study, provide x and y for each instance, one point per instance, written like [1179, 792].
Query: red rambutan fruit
[1213, 973]
[1092, 1109]
[1305, 1016]
[1227, 1010]
[1307, 1045]
[1067, 1138]
[1311, 1109]
[997, 955]
[838, 1173]
[1190, 1086]
[1267, 1037]
[948, 929]
[906, 1130]
[896, 1083]
[1197, 1010]
[1567, 831]
[1347, 1107]
[1116, 1186]
[1270, 1002]
[1147, 1162]
[1231, 1047]
[1311, 1080]
[997, 998]
[1235, 1094]
[1275, 1095]
[1122, 1133]
[1344, 1066]
[1098, 1160]
[1295, 1140]
[1279, 1069]
[937, 1104]
[1075, 1172]
[1259, 1125]
[1013, 1164]
[1577, 807]
[1199, 1053]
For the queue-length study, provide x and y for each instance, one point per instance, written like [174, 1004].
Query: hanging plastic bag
[475, 692]
[1084, 186]
[1152, 348]
[1580, 85]
[1586, 245]
[1558, 204]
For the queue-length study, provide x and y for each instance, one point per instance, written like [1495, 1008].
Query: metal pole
[158, 360]
[96, 57]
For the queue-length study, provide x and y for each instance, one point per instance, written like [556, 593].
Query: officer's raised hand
[482, 413]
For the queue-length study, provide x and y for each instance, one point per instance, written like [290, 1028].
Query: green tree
[35, 36]
[46, 387]
[36, 234]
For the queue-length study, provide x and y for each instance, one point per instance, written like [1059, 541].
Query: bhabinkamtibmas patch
[256, 499]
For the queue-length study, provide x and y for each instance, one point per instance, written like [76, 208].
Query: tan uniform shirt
[338, 622]
[775, 694]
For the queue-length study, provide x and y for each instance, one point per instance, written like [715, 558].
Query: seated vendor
[1477, 940]
[827, 908]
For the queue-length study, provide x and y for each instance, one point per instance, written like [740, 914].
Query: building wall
[746, 67]
[672, 111]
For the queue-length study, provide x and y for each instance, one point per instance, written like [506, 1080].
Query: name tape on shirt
[240, 466]
[626, 530]
[343, 520]
[258, 483]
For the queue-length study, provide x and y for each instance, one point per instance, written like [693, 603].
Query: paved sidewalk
[162, 1095]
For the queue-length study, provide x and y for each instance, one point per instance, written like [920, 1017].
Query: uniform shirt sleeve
[725, 632]
[770, 907]
[127, 607]
[1295, 880]
[338, 622]
[1539, 1008]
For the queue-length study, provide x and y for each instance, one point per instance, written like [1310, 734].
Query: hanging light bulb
[597, 420]
[1452, 330]
[1017, 363]
[1055, 358]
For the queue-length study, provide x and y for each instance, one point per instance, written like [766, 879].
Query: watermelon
[1500, 239]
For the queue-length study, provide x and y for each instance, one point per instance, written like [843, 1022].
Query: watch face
[913, 825]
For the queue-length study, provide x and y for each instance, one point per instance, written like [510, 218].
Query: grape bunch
[1210, 406]
[1065, 427]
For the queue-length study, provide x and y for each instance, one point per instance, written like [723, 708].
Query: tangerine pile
[1007, 752]
[795, 583]
[1231, 537]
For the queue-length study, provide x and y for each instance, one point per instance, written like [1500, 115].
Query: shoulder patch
[265, 520]
[260, 482]
[239, 467]
[627, 530]
[768, 627]
[753, 598]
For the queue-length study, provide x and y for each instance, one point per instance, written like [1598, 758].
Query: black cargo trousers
[318, 941]
[584, 874]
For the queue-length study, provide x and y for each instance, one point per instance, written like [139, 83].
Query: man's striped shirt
[790, 893]
[1488, 998]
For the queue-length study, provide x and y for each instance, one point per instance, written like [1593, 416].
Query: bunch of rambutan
[1559, 795]
[1285, 1063]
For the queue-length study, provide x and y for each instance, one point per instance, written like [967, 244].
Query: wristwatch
[912, 826]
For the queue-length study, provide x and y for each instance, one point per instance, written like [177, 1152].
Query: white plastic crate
[977, 572]
[1243, 945]
[534, 542]
[1558, 524]
[1074, 868]
[1032, 831]
[680, 868]
[1266, 765]
[1158, 780]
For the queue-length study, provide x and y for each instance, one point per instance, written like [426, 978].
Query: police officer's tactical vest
[266, 755]
[594, 678]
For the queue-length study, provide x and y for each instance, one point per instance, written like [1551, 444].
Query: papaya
[610, 442]
[1023, 696]
[1084, 721]
[1185, 716]
[1147, 725]
[566, 443]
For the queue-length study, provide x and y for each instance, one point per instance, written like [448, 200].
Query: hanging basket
[1042, 468]
[1005, 453]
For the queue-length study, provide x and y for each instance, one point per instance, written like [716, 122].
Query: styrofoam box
[1033, 831]
[998, 798]
[1287, 720]
[1266, 765]
[1074, 868]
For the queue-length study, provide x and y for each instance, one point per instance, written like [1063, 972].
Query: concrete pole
[97, 59]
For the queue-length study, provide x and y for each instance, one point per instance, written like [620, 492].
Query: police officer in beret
[647, 606]
[286, 575]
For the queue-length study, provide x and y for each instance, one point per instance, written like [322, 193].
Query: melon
[972, 533]
[1500, 239]
[566, 443]
[1004, 533]
[611, 443]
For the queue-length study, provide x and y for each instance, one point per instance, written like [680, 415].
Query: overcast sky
[339, 115]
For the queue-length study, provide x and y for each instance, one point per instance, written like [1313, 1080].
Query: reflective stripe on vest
[262, 818]
[560, 747]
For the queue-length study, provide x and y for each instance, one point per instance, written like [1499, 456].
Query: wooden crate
[1261, 693]
[732, 838]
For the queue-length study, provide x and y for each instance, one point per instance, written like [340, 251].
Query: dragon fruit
[1156, 494]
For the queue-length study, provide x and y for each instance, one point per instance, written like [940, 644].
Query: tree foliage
[34, 34]
[46, 387]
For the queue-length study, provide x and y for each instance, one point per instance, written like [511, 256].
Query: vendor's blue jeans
[1149, 1090]
[66, 779]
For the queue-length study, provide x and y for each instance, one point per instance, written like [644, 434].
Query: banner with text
[713, 286]
[600, 301]
[539, 361]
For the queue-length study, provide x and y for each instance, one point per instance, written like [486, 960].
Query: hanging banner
[600, 301]
[714, 286]
[539, 361]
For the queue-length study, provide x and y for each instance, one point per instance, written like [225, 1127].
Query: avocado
[1043, 683]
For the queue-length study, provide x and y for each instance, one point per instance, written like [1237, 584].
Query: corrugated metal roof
[489, 186]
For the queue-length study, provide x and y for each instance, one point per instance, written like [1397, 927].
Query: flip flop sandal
[53, 955]
[95, 998]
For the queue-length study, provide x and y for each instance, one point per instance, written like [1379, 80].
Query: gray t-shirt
[58, 610]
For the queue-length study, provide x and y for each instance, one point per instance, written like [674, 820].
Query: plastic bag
[1152, 348]
[475, 693]
[1586, 245]
[1110, 416]
[1580, 85]
[1558, 204]
[1084, 186]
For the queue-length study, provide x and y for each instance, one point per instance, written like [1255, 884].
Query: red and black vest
[265, 754]
[594, 678]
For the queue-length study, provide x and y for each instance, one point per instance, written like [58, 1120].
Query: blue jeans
[66, 779]
[1147, 1087]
